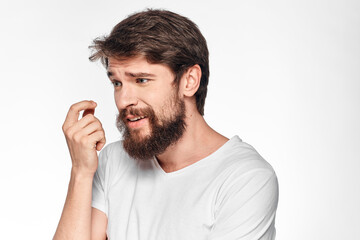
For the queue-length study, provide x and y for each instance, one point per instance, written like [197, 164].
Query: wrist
[81, 174]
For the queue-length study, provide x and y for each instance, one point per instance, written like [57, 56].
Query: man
[172, 176]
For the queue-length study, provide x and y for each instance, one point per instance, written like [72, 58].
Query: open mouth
[135, 119]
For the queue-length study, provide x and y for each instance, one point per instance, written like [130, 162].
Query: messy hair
[161, 37]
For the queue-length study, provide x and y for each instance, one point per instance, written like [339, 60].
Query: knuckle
[100, 135]
[77, 137]
[84, 140]
[68, 131]
[98, 125]
[72, 107]
[90, 117]
[93, 118]
[97, 121]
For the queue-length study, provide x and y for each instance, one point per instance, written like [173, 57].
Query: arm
[83, 137]
[98, 224]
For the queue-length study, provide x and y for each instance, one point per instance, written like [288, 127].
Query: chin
[140, 135]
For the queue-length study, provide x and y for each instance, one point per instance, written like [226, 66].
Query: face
[151, 112]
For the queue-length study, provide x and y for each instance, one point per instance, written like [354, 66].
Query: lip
[136, 124]
[130, 116]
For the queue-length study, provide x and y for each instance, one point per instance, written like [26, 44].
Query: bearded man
[172, 176]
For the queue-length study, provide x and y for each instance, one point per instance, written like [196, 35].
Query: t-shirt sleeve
[246, 207]
[98, 186]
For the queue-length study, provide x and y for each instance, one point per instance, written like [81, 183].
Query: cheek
[154, 99]
[168, 106]
[116, 98]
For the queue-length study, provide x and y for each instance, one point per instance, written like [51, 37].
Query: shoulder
[242, 158]
[244, 174]
[243, 169]
[247, 196]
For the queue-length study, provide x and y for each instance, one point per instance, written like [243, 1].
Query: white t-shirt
[231, 194]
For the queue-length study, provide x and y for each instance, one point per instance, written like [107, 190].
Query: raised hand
[83, 137]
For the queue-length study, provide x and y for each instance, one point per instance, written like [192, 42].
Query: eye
[116, 84]
[142, 80]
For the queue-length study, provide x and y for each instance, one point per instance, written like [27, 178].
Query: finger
[91, 128]
[80, 128]
[88, 119]
[100, 145]
[74, 111]
[98, 139]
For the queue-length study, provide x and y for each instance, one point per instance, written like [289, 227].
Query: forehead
[125, 62]
[138, 64]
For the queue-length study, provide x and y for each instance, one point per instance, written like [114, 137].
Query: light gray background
[284, 77]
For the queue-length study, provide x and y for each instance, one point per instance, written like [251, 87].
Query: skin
[84, 137]
[132, 89]
[128, 92]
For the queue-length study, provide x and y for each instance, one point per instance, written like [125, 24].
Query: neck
[198, 141]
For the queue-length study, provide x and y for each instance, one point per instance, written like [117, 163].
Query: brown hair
[161, 37]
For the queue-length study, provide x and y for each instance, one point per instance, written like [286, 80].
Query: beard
[163, 132]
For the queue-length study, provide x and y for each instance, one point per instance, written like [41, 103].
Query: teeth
[135, 119]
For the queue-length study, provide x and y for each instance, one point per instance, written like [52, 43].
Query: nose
[125, 97]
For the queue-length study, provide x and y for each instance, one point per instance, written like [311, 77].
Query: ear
[190, 80]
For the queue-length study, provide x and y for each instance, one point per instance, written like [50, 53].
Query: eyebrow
[135, 75]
